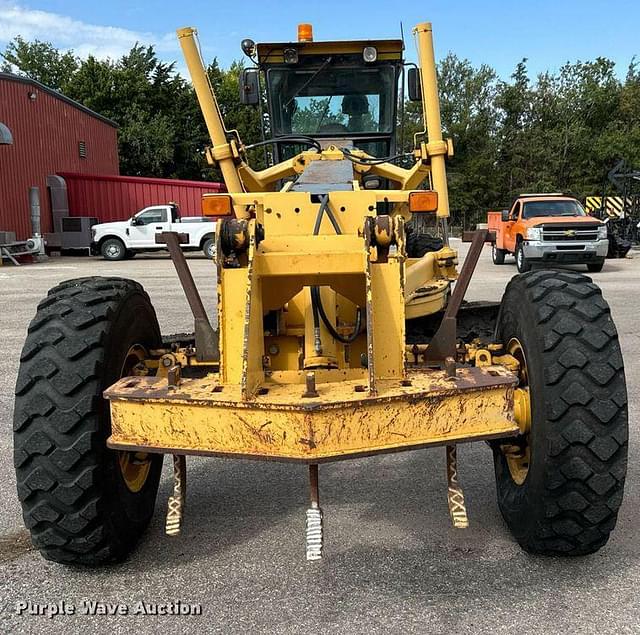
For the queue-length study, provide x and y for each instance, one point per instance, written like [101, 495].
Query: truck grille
[569, 233]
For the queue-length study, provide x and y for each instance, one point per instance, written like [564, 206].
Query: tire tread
[586, 407]
[57, 421]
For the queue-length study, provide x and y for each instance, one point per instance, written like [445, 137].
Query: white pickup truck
[123, 239]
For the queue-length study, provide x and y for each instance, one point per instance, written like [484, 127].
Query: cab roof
[272, 53]
[544, 197]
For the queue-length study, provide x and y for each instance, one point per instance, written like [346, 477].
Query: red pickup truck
[549, 229]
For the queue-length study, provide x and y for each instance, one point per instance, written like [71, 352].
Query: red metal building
[111, 198]
[51, 133]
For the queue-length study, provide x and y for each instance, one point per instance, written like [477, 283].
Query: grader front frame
[311, 360]
[313, 247]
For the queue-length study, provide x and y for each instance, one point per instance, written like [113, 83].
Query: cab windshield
[534, 209]
[334, 101]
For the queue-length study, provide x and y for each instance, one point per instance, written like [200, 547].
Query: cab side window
[515, 212]
[153, 215]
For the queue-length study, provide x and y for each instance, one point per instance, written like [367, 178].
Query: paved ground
[392, 561]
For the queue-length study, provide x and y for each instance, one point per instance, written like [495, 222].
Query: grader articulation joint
[342, 331]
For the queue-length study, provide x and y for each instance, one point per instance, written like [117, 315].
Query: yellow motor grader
[341, 331]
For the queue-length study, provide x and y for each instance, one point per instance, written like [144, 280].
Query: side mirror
[136, 221]
[249, 87]
[505, 215]
[413, 85]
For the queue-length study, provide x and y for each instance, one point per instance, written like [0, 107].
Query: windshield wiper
[297, 93]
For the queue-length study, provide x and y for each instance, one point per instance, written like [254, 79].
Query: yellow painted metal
[203, 416]
[522, 409]
[429, 299]
[273, 53]
[134, 467]
[518, 456]
[388, 309]
[436, 148]
[369, 401]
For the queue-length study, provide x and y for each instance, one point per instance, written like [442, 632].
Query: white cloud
[85, 39]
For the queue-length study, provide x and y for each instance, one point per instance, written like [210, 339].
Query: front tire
[82, 503]
[560, 485]
[113, 249]
[522, 264]
[595, 267]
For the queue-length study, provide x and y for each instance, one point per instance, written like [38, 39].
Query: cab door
[511, 228]
[145, 226]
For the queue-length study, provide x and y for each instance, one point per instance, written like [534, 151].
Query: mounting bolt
[168, 360]
[311, 391]
[450, 366]
[173, 377]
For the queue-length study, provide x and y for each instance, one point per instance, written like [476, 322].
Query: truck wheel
[497, 255]
[209, 248]
[113, 249]
[522, 264]
[595, 267]
[82, 503]
[560, 482]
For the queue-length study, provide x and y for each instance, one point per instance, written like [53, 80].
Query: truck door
[148, 223]
[511, 228]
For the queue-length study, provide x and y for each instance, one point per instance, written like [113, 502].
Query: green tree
[560, 131]
[513, 101]
[40, 61]
[244, 119]
[470, 118]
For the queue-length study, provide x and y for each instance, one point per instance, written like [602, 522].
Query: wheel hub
[518, 455]
[134, 466]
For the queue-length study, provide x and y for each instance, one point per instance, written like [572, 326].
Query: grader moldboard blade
[342, 332]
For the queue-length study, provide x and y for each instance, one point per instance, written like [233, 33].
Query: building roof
[58, 95]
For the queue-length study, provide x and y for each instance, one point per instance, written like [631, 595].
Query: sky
[548, 33]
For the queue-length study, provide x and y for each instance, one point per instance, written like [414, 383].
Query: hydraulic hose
[316, 301]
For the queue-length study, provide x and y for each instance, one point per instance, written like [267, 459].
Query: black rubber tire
[595, 267]
[209, 248]
[418, 245]
[522, 264]
[497, 255]
[74, 499]
[113, 249]
[569, 500]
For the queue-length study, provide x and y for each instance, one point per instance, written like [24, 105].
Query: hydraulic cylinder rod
[436, 146]
[210, 110]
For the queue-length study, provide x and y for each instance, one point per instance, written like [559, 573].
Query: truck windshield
[336, 101]
[534, 209]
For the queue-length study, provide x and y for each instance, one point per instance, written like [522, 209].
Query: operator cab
[338, 92]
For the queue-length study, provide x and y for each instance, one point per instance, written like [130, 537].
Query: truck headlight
[534, 233]
[602, 232]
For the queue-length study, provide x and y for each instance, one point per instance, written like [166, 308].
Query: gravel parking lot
[392, 561]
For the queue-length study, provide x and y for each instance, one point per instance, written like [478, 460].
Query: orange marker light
[305, 33]
[216, 205]
[425, 201]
